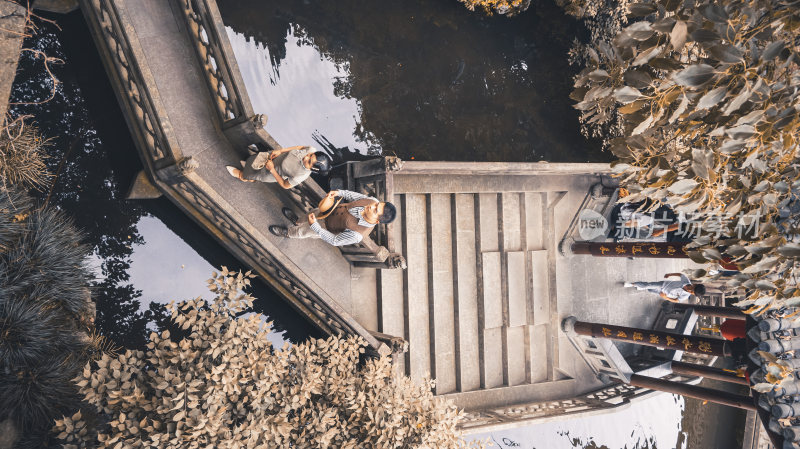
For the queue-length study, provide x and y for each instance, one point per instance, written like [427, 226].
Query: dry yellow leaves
[227, 386]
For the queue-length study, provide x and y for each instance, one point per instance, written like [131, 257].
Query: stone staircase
[477, 303]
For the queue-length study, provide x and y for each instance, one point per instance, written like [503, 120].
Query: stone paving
[485, 290]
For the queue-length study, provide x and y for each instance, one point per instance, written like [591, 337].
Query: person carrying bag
[338, 222]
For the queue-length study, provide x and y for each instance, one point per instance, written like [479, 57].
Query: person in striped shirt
[348, 224]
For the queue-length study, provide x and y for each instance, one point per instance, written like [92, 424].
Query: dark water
[427, 79]
[146, 252]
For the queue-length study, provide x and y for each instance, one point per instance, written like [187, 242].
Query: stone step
[511, 221]
[534, 211]
[391, 298]
[492, 291]
[517, 289]
[490, 302]
[493, 361]
[488, 226]
[518, 394]
[440, 285]
[540, 355]
[415, 286]
[428, 183]
[509, 239]
[468, 357]
[497, 335]
[541, 287]
[516, 360]
[539, 331]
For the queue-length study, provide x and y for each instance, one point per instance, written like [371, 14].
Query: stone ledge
[12, 19]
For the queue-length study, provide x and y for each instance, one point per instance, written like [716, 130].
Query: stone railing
[600, 198]
[211, 45]
[241, 126]
[605, 400]
[117, 53]
[600, 401]
[174, 175]
[614, 396]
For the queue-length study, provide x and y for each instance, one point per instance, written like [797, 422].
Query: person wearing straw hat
[287, 167]
[338, 222]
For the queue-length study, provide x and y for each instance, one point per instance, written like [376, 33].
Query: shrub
[22, 157]
[705, 93]
[503, 7]
[224, 386]
[603, 18]
[44, 309]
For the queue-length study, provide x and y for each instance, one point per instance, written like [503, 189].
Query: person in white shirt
[347, 224]
[675, 291]
[286, 167]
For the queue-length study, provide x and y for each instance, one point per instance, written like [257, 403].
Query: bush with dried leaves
[225, 386]
[22, 155]
[707, 93]
[503, 7]
[603, 18]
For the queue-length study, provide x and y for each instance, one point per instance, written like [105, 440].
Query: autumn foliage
[22, 157]
[504, 7]
[702, 97]
[225, 386]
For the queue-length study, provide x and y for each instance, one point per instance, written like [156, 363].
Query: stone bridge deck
[485, 286]
[185, 145]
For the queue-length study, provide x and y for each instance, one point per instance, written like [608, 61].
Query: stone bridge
[485, 287]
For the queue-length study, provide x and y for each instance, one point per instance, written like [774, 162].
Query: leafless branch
[47, 61]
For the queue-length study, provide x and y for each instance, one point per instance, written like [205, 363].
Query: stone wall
[12, 32]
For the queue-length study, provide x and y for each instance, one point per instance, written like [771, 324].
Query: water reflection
[298, 98]
[146, 253]
[425, 80]
[428, 80]
[165, 264]
[166, 268]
